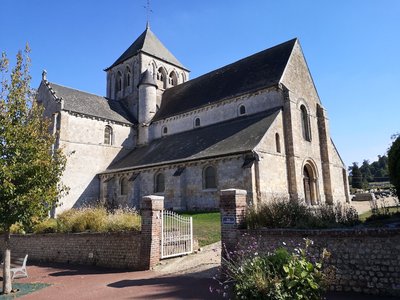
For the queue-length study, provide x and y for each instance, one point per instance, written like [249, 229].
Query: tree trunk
[7, 285]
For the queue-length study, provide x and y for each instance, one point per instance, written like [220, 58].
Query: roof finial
[44, 75]
[148, 11]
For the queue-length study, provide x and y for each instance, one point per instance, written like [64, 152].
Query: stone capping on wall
[364, 260]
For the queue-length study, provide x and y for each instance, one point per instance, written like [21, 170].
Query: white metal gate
[176, 234]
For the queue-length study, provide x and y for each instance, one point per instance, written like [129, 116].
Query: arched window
[108, 135]
[172, 79]
[197, 122]
[278, 143]
[310, 185]
[159, 183]
[127, 77]
[118, 82]
[305, 123]
[242, 110]
[183, 77]
[124, 186]
[161, 80]
[210, 178]
[165, 130]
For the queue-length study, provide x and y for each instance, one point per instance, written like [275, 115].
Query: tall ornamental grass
[283, 213]
[92, 219]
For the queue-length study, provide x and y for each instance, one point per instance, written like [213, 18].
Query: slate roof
[92, 105]
[239, 135]
[261, 70]
[148, 43]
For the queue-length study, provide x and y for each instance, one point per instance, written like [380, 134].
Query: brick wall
[115, 250]
[363, 260]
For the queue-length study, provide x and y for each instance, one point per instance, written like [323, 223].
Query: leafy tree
[30, 169]
[366, 171]
[356, 175]
[394, 163]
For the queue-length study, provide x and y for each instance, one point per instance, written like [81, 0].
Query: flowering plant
[279, 275]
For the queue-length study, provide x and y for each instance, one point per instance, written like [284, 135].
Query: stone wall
[363, 260]
[186, 191]
[115, 250]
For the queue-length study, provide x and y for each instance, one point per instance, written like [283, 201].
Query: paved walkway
[80, 282]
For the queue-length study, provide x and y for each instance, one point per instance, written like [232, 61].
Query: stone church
[256, 124]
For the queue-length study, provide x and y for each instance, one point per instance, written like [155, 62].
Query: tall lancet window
[305, 123]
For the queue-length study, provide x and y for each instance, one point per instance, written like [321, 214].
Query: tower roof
[148, 43]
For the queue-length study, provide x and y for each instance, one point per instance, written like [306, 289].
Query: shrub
[277, 275]
[47, 226]
[283, 213]
[123, 220]
[17, 228]
[95, 219]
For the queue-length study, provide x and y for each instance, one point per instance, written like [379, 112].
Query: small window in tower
[108, 135]
[197, 122]
[172, 79]
[164, 130]
[242, 110]
[119, 82]
[161, 78]
[128, 76]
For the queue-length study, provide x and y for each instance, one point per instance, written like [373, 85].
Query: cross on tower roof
[148, 11]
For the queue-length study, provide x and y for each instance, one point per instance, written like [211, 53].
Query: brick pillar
[151, 208]
[233, 209]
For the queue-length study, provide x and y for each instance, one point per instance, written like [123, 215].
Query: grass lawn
[206, 227]
[367, 214]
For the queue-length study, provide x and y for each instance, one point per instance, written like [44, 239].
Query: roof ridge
[237, 61]
[67, 87]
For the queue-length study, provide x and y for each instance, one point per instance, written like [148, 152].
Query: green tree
[356, 176]
[30, 168]
[394, 163]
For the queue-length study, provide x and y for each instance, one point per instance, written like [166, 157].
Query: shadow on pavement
[72, 270]
[177, 286]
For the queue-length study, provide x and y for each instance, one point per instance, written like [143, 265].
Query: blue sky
[351, 47]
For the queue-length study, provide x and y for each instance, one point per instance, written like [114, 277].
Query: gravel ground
[364, 206]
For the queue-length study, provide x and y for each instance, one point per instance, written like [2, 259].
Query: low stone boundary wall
[115, 250]
[363, 260]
